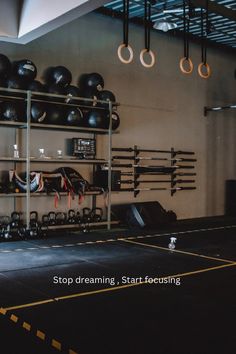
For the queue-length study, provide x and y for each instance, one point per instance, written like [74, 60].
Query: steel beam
[216, 8]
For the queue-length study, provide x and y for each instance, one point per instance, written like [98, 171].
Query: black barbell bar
[138, 167]
[157, 174]
[130, 181]
[179, 152]
[156, 189]
[152, 158]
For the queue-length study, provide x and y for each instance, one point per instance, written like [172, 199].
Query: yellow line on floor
[179, 251]
[38, 333]
[56, 344]
[115, 288]
[43, 302]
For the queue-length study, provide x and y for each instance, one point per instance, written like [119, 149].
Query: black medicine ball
[38, 112]
[115, 120]
[5, 66]
[93, 81]
[3, 82]
[91, 95]
[107, 96]
[96, 119]
[74, 116]
[60, 75]
[36, 86]
[72, 91]
[55, 114]
[55, 90]
[15, 82]
[11, 111]
[26, 69]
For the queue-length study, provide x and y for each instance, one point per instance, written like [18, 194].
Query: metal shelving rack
[30, 97]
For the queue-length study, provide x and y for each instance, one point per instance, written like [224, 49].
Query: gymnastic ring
[143, 51]
[131, 53]
[208, 69]
[181, 65]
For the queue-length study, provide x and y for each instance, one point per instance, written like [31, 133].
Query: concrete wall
[160, 107]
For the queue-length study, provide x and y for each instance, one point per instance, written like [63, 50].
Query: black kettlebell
[34, 226]
[96, 214]
[86, 215]
[43, 228]
[71, 219]
[51, 218]
[78, 218]
[60, 218]
[5, 222]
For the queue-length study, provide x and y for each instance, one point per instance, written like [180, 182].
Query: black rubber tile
[16, 340]
[215, 243]
[33, 273]
[195, 317]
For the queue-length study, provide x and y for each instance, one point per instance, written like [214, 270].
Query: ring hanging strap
[186, 60]
[126, 22]
[204, 32]
[186, 32]
[147, 19]
[147, 31]
[125, 43]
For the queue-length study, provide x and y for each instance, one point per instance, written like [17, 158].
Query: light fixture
[164, 25]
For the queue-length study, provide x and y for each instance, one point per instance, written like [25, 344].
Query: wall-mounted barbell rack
[174, 170]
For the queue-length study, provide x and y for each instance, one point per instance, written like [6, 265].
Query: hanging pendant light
[164, 25]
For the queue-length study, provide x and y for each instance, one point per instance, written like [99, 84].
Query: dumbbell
[96, 214]
[60, 218]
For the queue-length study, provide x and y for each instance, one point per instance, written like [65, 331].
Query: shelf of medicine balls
[52, 111]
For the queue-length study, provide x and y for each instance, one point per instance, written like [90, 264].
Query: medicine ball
[38, 112]
[60, 75]
[56, 90]
[2, 82]
[5, 66]
[11, 111]
[72, 91]
[36, 86]
[26, 69]
[93, 81]
[55, 114]
[105, 95]
[115, 120]
[95, 119]
[92, 95]
[74, 116]
[15, 82]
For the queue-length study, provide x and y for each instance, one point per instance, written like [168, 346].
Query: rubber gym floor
[181, 301]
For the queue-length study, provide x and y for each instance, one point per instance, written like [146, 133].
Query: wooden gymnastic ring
[143, 51]
[181, 65]
[208, 69]
[131, 53]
